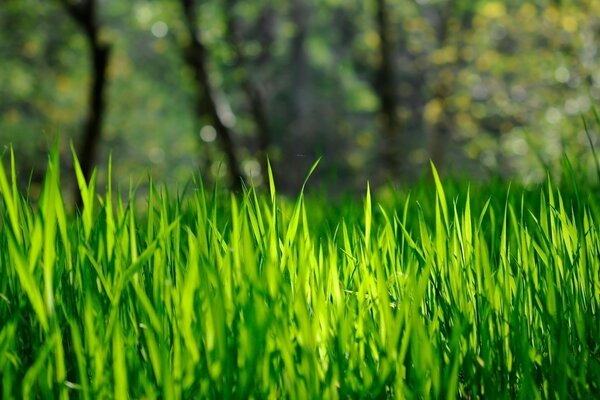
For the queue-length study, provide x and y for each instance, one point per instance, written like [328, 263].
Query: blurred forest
[375, 87]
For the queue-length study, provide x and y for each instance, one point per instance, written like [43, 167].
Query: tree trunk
[298, 146]
[84, 14]
[391, 152]
[96, 110]
[251, 88]
[299, 14]
[197, 58]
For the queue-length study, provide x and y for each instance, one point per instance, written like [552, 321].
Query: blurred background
[173, 88]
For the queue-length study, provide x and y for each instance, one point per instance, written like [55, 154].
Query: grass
[449, 291]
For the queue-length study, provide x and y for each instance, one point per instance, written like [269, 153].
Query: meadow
[448, 289]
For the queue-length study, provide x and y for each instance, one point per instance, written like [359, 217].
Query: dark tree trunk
[84, 14]
[299, 145]
[441, 131]
[251, 88]
[197, 58]
[299, 14]
[391, 152]
[96, 111]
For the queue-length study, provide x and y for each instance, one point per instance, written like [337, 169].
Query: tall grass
[451, 291]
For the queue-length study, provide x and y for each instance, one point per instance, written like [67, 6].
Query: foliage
[452, 290]
[506, 78]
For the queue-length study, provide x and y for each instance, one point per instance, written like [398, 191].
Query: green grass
[449, 291]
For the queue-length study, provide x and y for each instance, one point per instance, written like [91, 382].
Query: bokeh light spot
[562, 74]
[251, 168]
[156, 155]
[208, 134]
[159, 29]
[553, 115]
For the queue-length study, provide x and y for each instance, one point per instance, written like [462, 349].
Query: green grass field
[448, 290]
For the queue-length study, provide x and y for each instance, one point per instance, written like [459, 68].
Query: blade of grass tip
[467, 219]
[108, 210]
[132, 233]
[86, 193]
[411, 243]
[235, 230]
[397, 223]
[59, 209]
[405, 210]
[256, 217]
[10, 204]
[272, 241]
[368, 217]
[28, 189]
[150, 217]
[13, 177]
[36, 242]
[388, 226]
[441, 195]
[503, 250]
[310, 172]
[200, 197]
[293, 225]
[295, 218]
[79, 173]
[271, 181]
[589, 136]
[484, 210]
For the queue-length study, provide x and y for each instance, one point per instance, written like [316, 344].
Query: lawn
[450, 289]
